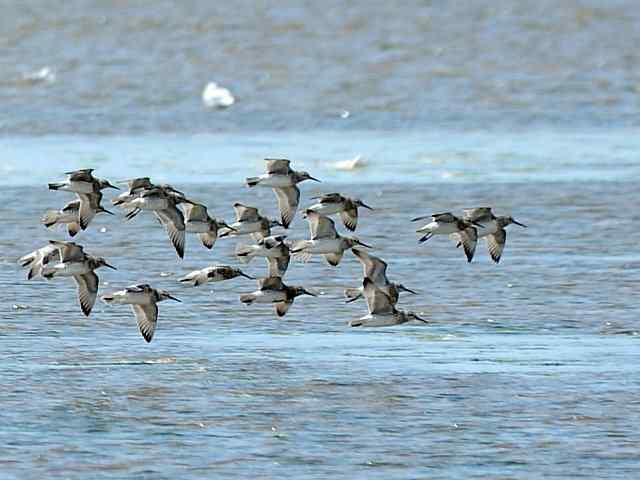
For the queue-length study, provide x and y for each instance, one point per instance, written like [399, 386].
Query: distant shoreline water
[414, 157]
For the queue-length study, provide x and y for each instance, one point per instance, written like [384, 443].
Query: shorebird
[447, 224]
[249, 222]
[382, 312]
[143, 300]
[272, 290]
[375, 269]
[214, 273]
[135, 186]
[69, 215]
[81, 181]
[494, 229]
[274, 249]
[163, 201]
[324, 240]
[77, 264]
[38, 259]
[283, 180]
[333, 203]
[198, 221]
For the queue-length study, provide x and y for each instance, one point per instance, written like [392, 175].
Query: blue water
[527, 369]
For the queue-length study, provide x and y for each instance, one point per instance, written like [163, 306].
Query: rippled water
[141, 66]
[528, 369]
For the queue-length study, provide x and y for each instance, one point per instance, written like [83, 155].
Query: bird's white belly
[197, 227]
[68, 269]
[327, 245]
[379, 320]
[244, 228]
[66, 217]
[271, 180]
[79, 187]
[489, 229]
[150, 203]
[130, 298]
[326, 209]
[269, 296]
[444, 228]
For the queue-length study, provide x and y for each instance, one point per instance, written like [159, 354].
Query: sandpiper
[382, 312]
[81, 181]
[38, 259]
[283, 180]
[163, 201]
[494, 229]
[272, 290]
[77, 264]
[324, 240]
[143, 300]
[214, 273]
[135, 186]
[197, 220]
[375, 269]
[333, 203]
[447, 224]
[69, 215]
[249, 221]
[274, 249]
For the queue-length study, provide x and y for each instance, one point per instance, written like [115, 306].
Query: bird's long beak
[112, 186]
[477, 224]
[365, 206]
[419, 318]
[224, 225]
[174, 298]
[242, 274]
[363, 244]
[104, 210]
[402, 287]
[314, 179]
[521, 224]
[110, 266]
[420, 218]
[310, 293]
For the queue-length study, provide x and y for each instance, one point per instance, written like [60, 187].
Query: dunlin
[382, 312]
[249, 221]
[283, 180]
[214, 273]
[163, 201]
[77, 264]
[375, 269]
[197, 220]
[494, 229]
[82, 181]
[272, 290]
[447, 224]
[324, 240]
[333, 203]
[274, 249]
[143, 300]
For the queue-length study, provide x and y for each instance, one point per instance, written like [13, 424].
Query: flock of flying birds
[180, 215]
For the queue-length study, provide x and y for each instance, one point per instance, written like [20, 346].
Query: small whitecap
[103, 230]
[165, 274]
[352, 164]
[215, 96]
[19, 306]
[44, 75]
[345, 114]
